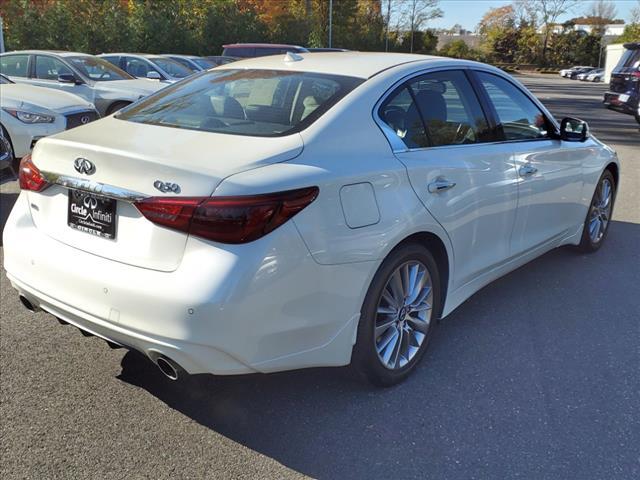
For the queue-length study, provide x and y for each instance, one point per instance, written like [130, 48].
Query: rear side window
[243, 102]
[48, 68]
[14, 65]
[518, 117]
[138, 67]
[436, 109]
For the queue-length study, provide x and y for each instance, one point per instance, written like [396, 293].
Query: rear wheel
[398, 316]
[596, 225]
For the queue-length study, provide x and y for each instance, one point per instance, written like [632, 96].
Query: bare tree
[545, 13]
[635, 13]
[601, 13]
[418, 12]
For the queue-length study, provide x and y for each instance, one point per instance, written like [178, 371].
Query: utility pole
[1, 36]
[386, 30]
[330, 20]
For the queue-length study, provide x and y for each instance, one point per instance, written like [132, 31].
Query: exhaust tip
[27, 304]
[168, 367]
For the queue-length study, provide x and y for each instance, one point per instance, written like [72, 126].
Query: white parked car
[302, 210]
[595, 76]
[87, 76]
[29, 113]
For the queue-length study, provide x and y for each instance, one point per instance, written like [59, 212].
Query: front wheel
[398, 316]
[596, 225]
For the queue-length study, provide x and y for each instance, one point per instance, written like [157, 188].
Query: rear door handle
[527, 169]
[440, 185]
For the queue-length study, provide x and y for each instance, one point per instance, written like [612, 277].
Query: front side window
[137, 67]
[48, 68]
[436, 109]
[518, 117]
[243, 102]
[14, 65]
[98, 69]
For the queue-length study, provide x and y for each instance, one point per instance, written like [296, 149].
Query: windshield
[98, 69]
[243, 102]
[172, 67]
[204, 63]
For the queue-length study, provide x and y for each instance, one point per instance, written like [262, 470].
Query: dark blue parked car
[624, 87]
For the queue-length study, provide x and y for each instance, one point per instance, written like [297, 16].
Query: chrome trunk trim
[96, 188]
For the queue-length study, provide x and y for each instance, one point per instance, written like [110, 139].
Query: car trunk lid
[128, 159]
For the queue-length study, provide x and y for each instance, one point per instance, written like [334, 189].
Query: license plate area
[92, 214]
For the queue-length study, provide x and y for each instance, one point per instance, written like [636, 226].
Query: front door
[45, 74]
[549, 170]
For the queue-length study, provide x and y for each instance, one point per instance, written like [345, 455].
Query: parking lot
[536, 376]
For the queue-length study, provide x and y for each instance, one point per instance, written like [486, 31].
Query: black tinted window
[243, 102]
[519, 117]
[14, 65]
[629, 59]
[436, 109]
[48, 68]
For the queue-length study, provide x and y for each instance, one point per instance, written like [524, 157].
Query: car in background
[108, 88]
[327, 49]
[151, 67]
[221, 59]
[583, 76]
[596, 76]
[574, 73]
[624, 86]
[249, 50]
[192, 62]
[568, 71]
[29, 113]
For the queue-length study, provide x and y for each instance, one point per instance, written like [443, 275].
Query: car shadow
[517, 381]
[6, 204]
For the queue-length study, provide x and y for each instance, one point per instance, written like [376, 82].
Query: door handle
[440, 185]
[526, 170]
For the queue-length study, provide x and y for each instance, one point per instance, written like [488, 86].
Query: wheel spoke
[398, 348]
[390, 310]
[383, 327]
[418, 324]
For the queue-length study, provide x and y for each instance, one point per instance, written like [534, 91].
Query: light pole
[330, 20]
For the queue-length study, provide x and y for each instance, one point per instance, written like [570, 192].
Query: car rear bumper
[259, 307]
[628, 105]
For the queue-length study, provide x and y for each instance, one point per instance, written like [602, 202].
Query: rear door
[549, 170]
[468, 184]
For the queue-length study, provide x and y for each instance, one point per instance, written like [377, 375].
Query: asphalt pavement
[537, 376]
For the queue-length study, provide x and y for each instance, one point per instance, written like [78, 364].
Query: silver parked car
[192, 62]
[153, 67]
[108, 88]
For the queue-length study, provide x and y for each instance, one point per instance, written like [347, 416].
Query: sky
[469, 12]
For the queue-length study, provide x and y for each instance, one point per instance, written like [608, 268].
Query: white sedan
[302, 210]
[28, 113]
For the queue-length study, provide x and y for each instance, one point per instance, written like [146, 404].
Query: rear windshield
[630, 59]
[263, 103]
[173, 68]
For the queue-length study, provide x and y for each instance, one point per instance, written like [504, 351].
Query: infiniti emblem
[82, 165]
[85, 119]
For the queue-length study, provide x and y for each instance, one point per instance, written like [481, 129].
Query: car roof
[351, 64]
[191, 57]
[61, 53]
[261, 45]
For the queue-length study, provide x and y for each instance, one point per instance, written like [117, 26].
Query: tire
[7, 147]
[596, 225]
[114, 107]
[403, 322]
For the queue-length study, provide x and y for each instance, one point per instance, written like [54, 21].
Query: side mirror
[67, 78]
[574, 130]
[153, 75]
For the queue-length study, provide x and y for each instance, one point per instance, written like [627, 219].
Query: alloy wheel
[403, 314]
[600, 213]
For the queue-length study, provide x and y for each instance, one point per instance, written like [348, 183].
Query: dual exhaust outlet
[168, 367]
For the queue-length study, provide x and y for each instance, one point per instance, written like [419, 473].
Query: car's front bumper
[260, 307]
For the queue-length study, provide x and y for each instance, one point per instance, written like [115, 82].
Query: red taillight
[30, 177]
[636, 74]
[239, 219]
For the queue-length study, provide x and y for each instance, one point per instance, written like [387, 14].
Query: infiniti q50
[301, 210]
